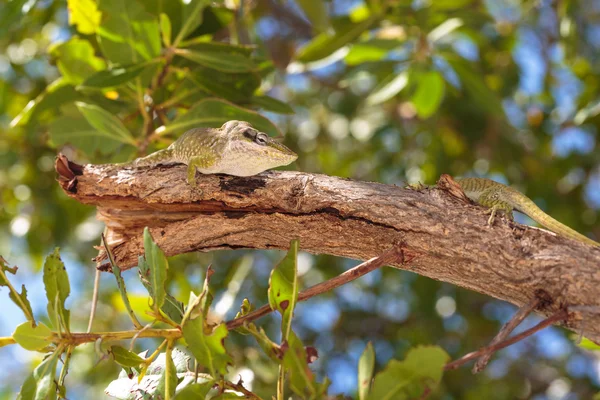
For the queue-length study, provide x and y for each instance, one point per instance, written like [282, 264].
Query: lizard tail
[526, 206]
[159, 157]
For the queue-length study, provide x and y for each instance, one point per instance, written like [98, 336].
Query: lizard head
[260, 151]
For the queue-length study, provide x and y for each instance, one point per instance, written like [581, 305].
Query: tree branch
[448, 237]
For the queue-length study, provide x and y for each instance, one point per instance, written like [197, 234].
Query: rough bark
[448, 237]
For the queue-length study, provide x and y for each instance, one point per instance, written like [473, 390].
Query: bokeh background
[504, 89]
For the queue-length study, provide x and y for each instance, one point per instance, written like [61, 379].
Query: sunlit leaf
[214, 113]
[154, 270]
[79, 133]
[283, 288]
[165, 29]
[115, 76]
[32, 337]
[445, 28]
[193, 18]
[272, 104]
[420, 371]
[388, 88]
[105, 122]
[76, 60]
[85, 15]
[325, 44]
[127, 33]
[196, 391]
[372, 50]
[56, 282]
[40, 383]
[316, 12]
[220, 61]
[429, 93]
[366, 364]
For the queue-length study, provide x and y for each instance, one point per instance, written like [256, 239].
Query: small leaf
[32, 337]
[165, 29]
[105, 122]
[429, 93]
[115, 76]
[156, 274]
[214, 113]
[56, 282]
[205, 342]
[272, 104]
[325, 44]
[40, 383]
[316, 12]
[588, 344]
[388, 88]
[220, 61]
[85, 15]
[283, 288]
[366, 364]
[372, 50]
[20, 299]
[421, 371]
[125, 358]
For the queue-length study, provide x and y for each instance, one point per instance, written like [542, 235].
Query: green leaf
[79, 133]
[371, 50]
[40, 385]
[76, 60]
[165, 29]
[56, 282]
[325, 44]
[32, 337]
[237, 88]
[316, 12]
[128, 34]
[366, 364]
[588, 344]
[125, 358]
[283, 288]
[302, 379]
[421, 370]
[115, 76]
[444, 29]
[220, 61]
[429, 93]
[154, 270]
[196, 391]
[85, 15]
[56, 94]
[271, 104]
[388, 88]
[193, 10]
[474, 85]
[214, 113]
[20, 299]
[105, 122]
[205, 342]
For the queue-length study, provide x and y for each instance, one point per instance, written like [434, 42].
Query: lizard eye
[261, 138]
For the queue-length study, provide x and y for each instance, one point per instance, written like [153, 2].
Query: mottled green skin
[234, 149]
[499, 197]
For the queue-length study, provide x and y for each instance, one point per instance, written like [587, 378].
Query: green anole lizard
[499, 197]
[234, 149]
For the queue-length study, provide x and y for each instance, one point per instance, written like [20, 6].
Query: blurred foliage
[389, 91]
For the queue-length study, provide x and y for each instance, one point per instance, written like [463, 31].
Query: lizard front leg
[203, 162]
[490, 199]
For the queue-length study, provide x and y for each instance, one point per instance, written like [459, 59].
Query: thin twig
[387, 257]
[94, 300]
[506, 330]
[558, 316]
